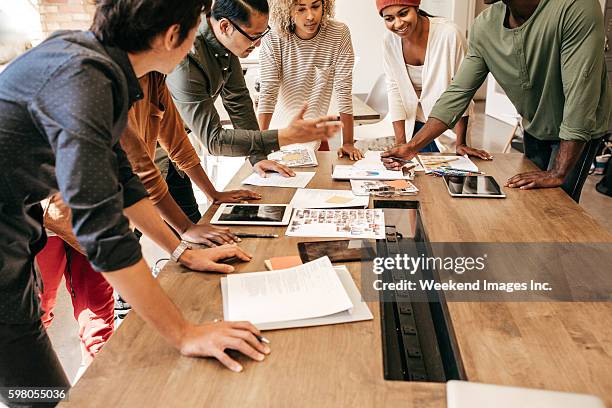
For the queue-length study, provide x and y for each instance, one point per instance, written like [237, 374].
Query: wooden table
[361, 110]
[556, 346]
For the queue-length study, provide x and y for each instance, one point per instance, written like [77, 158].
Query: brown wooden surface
[556, 346]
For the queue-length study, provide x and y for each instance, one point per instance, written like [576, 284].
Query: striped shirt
[294, 71]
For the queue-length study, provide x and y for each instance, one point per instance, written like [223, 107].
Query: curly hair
[281, 12]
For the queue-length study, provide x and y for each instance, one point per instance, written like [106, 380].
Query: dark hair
[132, 24]
[424, 13]
[239, 11]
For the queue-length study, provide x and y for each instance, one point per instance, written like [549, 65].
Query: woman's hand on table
[265, 166]
[351, 151]
[212, 339]
[209, 235]
[208, 259]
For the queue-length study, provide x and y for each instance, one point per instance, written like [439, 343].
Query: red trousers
[324, 146]
[92, 296]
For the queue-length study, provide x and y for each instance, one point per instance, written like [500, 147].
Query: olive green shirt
[552, 68]
[208, 71]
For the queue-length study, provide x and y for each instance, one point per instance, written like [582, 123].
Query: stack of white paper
[354, 223]
[359, 311]
[300, 180]
[304, 292]
[315, 198]
[295, 156]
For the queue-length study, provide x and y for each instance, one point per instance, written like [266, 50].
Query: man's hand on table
[406, 151]
[463, 149]
[208, 259]
[264, 166]
[212, 339]
[209, 235]
[535, 179]
[235, 196]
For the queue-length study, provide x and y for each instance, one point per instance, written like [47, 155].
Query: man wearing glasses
[212, 68]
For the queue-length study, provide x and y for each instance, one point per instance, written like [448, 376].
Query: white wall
[367, 29]
[21, 16]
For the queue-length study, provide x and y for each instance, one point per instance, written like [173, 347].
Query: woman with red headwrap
[421, 54]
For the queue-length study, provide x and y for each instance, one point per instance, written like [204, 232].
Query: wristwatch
[180, 249]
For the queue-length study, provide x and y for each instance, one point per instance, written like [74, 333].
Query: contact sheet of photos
[344, 223]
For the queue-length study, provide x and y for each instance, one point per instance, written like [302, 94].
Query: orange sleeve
[142, 164]
[172, 135]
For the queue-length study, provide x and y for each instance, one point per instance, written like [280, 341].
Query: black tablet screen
[253, 213]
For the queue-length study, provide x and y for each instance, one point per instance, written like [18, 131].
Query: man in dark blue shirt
[63, 107]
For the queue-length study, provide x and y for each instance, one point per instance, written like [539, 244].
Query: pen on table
[245, 235]
[262, 339]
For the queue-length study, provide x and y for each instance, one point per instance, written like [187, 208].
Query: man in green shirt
[212, 69]
[548, 56]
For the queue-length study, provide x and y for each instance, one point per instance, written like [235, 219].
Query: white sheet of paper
[370, 158]
[366, 172]
[306, 291]
[345, 223]
[300, 180]
[315, 198]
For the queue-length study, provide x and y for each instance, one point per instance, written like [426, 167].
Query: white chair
[377, 99]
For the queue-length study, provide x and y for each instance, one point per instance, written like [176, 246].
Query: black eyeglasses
[241, 31]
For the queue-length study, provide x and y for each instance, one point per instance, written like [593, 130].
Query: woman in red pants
[91, 295]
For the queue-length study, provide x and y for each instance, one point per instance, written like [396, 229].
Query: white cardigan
[445, 50]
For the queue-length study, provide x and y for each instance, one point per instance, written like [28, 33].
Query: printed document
[306, 291]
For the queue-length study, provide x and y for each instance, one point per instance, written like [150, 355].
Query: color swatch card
[367, 187]
[314, 198]
[300, 180]
[346, 223]
[295, 156]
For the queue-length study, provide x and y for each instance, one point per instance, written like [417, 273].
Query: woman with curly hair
[306, 57]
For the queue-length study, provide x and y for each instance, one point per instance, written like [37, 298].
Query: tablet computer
[473, 186]
[252, 214]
